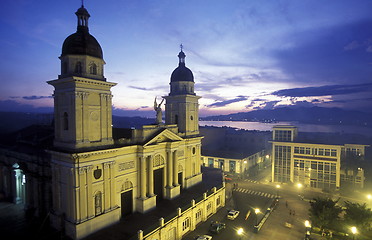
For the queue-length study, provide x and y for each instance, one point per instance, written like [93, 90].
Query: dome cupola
[82, 55]
[182, 73]
[81, 42]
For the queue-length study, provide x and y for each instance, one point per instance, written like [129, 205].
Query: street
[245, 195]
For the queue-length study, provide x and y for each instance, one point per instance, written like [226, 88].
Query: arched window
[65, 121]
[93, 69]
[98, 203]
[78, 68]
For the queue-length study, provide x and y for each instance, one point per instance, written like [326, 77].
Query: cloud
[328, 90]
[36, 97]
[227, 102]
[337, 54]
[351, 46]
[267, 105]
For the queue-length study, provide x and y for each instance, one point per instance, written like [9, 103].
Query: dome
[182, 73]
[82, 43]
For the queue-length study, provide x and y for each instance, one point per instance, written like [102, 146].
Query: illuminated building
[314, 165]
[89, 175]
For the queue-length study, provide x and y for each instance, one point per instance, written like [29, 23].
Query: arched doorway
[19, 185]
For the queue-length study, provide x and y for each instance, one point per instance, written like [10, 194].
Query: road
[258, 193]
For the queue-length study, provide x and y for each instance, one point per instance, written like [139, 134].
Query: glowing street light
[308, 228]
[299, 185]
[354, 231]
[240, 232]
[277, 190]
[257, 211]
[369, 196]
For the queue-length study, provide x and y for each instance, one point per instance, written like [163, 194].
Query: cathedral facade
[99, 174]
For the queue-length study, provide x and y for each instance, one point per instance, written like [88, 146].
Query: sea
[302, 127]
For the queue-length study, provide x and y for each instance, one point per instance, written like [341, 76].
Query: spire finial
[181, 46]
[82, 3]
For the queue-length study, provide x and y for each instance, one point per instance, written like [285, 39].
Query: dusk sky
[245, 54]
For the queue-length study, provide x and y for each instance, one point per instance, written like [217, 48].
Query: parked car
[216, 227]
[227, 178]
[203, 237]
[232, 214]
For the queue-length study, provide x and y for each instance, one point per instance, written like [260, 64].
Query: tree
[358, 215]
[324, 213]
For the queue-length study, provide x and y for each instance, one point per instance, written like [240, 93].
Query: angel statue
[157, 108]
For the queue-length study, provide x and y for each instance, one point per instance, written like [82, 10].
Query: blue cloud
[324, 90]
[227, 102]
[335, 54]
[36, 97]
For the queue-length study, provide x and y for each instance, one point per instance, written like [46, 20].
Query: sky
[245, 54]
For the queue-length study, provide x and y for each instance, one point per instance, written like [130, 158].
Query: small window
[93, 69]
[191, 118]
[176, 119]
[193, 150]
[185, 224]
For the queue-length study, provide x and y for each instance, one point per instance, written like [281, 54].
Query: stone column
[143, 177]
[150, 176]
[175, 168]
[83, 193]
[106, 184]
[90, 197]
[169, 168]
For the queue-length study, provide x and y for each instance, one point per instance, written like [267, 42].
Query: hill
[313, 115]
[13, 121]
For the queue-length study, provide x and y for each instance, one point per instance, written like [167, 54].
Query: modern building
[88, 175]
[315, 165]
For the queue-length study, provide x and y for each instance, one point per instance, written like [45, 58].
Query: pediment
[164, 136]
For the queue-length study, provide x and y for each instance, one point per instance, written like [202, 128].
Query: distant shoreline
[302, 127]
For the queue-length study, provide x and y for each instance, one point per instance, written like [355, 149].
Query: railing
[173, 217]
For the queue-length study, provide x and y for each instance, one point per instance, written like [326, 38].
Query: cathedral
[94, 174]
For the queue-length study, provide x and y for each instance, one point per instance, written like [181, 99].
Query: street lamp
[277, 190]
[307, 230]
[240, 232]
[369, 196]
[257, 211]
[299, 186]
[354, 231]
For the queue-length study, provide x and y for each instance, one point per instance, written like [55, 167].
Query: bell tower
[182, 107]
[82, 96]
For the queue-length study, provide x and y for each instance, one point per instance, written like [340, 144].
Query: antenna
[181, 46]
